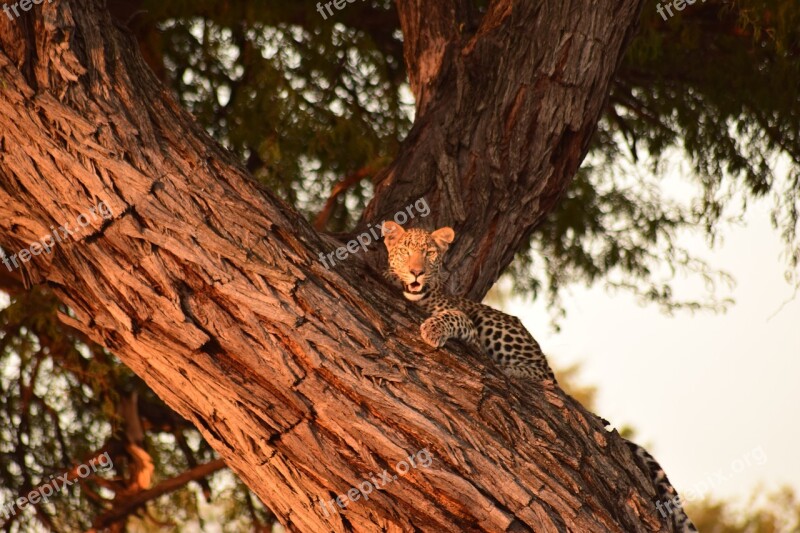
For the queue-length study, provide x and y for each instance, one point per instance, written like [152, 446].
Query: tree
[238, 327]
[766, 512]
[429, 141]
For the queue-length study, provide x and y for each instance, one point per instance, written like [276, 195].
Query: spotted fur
[415, 260]
[668, 501]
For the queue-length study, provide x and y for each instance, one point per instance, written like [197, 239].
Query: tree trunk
[506, 106]
[308, 381]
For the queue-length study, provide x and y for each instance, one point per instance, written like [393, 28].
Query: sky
[714, 397]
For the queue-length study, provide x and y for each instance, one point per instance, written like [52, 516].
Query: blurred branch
[124, 508]
[340, 188]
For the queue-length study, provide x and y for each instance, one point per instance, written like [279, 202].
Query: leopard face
[415, 257]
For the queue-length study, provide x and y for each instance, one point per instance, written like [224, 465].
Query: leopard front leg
[449, 324]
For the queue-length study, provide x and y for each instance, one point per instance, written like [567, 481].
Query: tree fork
[305, 380]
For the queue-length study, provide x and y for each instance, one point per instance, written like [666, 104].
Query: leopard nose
[417, 271]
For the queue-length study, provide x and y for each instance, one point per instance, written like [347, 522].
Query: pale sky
[715, 397]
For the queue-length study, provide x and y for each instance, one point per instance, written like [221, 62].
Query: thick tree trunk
[308, 380]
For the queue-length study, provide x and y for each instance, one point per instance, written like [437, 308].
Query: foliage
[775, 512]
[714, 87]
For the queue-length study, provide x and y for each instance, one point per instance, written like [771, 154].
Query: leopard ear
[443, 237]
[391, 233]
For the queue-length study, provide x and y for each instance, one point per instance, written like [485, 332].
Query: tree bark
[309, 381]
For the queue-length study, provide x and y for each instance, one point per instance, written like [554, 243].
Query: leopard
[415, 258]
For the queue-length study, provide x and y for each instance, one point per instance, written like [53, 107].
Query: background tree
[765, 512]
[320, 133]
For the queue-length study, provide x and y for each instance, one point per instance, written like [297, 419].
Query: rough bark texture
[308, 380]
[505, 115]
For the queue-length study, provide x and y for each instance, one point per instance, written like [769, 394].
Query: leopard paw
[433, 333]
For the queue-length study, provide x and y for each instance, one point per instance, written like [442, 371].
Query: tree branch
[124, 508]
[340, 188]
[508, 125]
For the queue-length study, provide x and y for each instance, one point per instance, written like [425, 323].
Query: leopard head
[415, 257]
